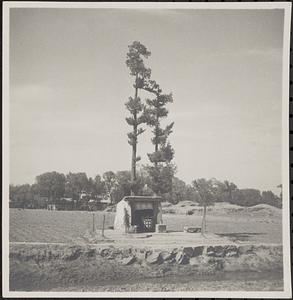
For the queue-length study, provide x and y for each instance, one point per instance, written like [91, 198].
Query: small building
[66, 204]
[105, 202]
[144, 212]
[62, 204]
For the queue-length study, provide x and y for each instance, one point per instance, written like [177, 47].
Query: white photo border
[287, 292]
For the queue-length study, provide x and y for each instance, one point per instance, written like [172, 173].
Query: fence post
[93, 222]
[103, 226]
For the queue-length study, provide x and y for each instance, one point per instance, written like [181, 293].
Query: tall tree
[229, 188]
[163, 153]
[206, 191]
[110, 182]
[156, 111]
[75, 184]
[99, 184]
[136, 108]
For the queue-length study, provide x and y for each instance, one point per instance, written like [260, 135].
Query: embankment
[47, 267]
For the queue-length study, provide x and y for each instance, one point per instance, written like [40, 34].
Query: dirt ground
[243, 284]
[45, 254]
[143, 240]
[256, 224]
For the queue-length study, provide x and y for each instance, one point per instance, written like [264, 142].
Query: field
[259, 224]
[81, 261]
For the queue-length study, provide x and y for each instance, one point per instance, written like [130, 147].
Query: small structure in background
[144, 213]
[105, 202]
[66, 204]
[62, 204]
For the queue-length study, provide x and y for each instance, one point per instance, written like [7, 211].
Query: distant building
[66, 204]
[62, 204]
[83, 195]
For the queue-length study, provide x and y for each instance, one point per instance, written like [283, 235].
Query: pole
[103, 226]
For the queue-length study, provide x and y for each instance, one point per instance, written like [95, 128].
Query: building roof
[67, 199]
[142, 198]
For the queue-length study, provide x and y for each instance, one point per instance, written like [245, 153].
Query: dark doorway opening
[144, 220]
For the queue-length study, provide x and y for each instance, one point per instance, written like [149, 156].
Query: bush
[246, 197]
[190, 212]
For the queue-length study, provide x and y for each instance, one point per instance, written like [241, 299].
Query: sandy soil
[37, 263]
[262, 225]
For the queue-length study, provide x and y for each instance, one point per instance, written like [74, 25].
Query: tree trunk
[134, 147]
[133, 166]
[203, 223]
[156, 137]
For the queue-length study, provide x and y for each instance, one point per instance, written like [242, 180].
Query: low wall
[42, 267]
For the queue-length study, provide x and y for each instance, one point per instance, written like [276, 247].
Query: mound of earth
[221, 208]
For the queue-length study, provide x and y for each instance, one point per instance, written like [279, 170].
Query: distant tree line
[53, 187]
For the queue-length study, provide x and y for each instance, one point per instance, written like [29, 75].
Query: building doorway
[144, 219]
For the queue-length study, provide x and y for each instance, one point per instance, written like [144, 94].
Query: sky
[69, 83]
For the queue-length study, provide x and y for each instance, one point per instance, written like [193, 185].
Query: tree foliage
[75, 184]
[51, 185]
[134, 61]
[247, 197]
[182, 191]
[270, 198]
[156, 111]
[206, 190]
[21, 195]
[161, 172]
[159, 179]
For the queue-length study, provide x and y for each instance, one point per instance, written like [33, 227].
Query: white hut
[144, 212]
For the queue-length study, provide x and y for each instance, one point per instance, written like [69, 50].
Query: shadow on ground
[240, 237]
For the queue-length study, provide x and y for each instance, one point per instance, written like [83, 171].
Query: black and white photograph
[146, 149]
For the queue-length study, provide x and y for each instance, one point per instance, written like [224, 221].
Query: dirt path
[153, 240]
